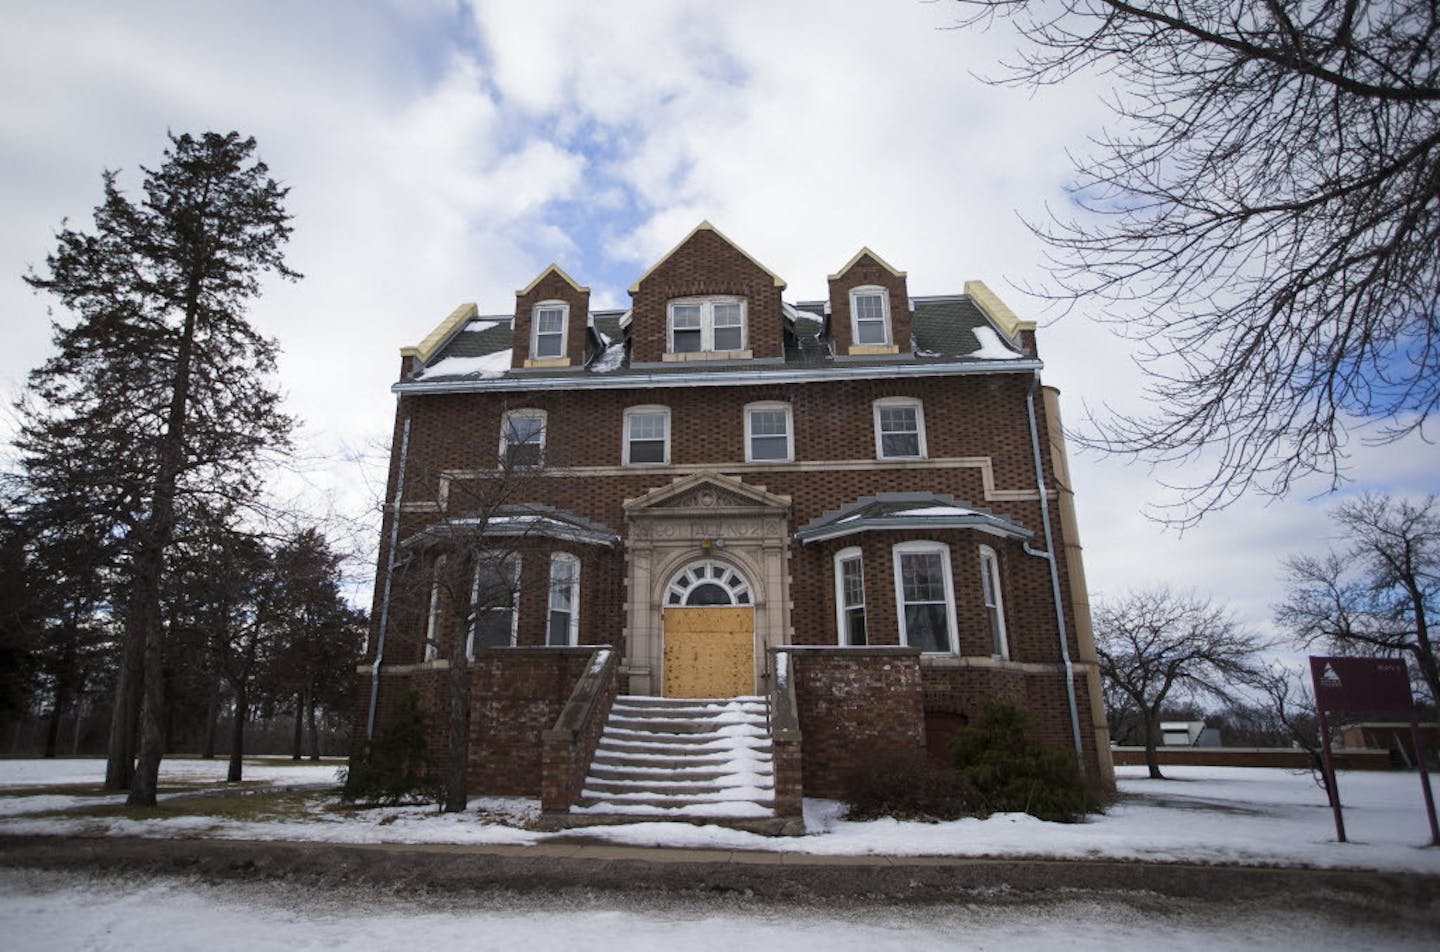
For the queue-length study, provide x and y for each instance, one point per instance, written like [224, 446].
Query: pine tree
[159, 388]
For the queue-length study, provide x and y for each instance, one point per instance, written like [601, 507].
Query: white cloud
[437, 156]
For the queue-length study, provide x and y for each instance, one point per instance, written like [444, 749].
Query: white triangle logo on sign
[1328, 675]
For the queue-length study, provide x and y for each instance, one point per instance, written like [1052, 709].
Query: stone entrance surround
[704, 515]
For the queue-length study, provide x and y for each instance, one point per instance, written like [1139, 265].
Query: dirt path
[580, 868]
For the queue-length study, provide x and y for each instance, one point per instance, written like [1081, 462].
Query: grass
[236, 805]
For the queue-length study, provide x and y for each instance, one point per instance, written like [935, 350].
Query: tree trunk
[146, 781]
[455, 791]
[80, 714]
[297, 738]
[212, 718]
[149, 563]
[125, 714]
[310, 723]
[57, 712]
[237, 736]
[1152, 741]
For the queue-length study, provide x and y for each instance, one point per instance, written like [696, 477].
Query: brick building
[855, 509]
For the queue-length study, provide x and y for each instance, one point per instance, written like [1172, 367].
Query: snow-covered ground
[1250, 816]
[52, 911]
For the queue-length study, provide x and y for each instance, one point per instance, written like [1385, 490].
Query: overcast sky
[441, 152]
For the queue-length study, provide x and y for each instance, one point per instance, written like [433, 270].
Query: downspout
[389, 577]
[1049, 556]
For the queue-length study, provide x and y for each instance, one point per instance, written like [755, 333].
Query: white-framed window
[870, 316]
[647, 436]
[708, 583]
[432, 618]
[994, 603]
[707, 324]
[522, 438]
[547, 329]
[850, 597]
[563, 624]
[494, 602]
[769, 433]
[899, 428]
[925, 596]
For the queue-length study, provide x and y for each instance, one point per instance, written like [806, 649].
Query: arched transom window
[708, 583]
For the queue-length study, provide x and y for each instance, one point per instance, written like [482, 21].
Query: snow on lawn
[17, 775]
[1248, 816]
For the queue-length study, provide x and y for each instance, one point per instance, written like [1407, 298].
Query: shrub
[1012, 773]
[395, 766]
[907, 787]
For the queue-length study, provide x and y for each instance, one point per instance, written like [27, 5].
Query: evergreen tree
[159, 388]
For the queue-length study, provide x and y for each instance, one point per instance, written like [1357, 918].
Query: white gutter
[718, 378]
[389, 576]
[1049, 556]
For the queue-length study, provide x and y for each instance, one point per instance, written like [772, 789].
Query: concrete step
[675, 725]
[676, 751]
[717, 806]
[693, 760]
[702, 790]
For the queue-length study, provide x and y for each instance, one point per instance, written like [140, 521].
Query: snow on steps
[688, 760]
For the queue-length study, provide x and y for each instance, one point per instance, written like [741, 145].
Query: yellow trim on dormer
[705, 226]
[1000, 315]
[437, 338]
[541, 276]
[860, 254]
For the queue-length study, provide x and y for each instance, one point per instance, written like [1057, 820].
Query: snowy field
[1247, 816]
[43, 911]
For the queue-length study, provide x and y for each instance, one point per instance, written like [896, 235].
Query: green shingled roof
[942, 329]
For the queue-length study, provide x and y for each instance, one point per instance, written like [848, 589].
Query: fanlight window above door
[708, 583]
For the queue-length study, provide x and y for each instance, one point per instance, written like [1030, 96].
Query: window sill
[670, 357]
[866, 350]
[548, 362]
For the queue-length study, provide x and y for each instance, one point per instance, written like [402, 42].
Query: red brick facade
[979, 452]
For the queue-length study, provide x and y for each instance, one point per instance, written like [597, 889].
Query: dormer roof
[555, 269]
[705, 226]
[873, 256]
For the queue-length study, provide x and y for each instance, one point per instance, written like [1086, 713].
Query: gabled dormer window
[870, 316]
[548, 330]
[707, 325]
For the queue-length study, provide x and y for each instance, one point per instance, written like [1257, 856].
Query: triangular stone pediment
[705, 491]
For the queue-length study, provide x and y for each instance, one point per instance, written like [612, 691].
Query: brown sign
[1378, 685]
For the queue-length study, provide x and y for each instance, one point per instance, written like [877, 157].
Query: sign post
[1381, 685]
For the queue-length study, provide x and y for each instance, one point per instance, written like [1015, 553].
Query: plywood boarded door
[709, 652]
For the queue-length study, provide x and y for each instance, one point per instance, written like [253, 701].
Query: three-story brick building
[862, 501]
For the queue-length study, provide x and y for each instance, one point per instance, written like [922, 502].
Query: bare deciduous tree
[1156, 642]
[1378, 591]
[465, 568]
[1268, 204]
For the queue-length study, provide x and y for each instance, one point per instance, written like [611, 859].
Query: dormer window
[548, 334]
[707, 325]
[870, 316]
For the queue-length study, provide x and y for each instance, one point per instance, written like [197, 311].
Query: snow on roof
[625, 318]
[796, 314]
[936, 511]
[488, 365]
[609, 359]
[991, 347]
[477, 325]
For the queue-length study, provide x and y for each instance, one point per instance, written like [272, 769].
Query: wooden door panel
[709, 652]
